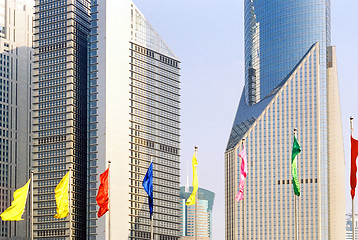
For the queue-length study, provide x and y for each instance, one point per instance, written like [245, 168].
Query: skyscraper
[61, 29]
[15, 106]
[204, 210]
[133, 120]
[290, 82]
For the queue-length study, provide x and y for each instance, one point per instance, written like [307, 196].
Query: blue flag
[148, 187]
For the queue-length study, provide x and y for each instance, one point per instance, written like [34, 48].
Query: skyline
[205, 35]
[206, 19]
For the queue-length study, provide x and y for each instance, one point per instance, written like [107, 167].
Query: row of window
[52, 75]
[53, 12]
[52, 154]
[51, 111]
[51, 97]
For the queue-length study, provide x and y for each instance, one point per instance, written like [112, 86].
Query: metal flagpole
[152, 215]
[70, 199]
[109, 200]
[295, 199]
[243, 204]
[151, 227]
[32, 205]
[196, 204]
[353, 220]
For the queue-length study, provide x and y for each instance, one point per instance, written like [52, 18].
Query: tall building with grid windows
[133, 120]
[290, 82]
[15, 108]
[204, 213]
[61, 29]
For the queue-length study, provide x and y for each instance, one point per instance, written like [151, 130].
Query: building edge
[336, 164]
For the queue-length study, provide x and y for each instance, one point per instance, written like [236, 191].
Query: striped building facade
[61, 29]
[133, 119]
[267, 211]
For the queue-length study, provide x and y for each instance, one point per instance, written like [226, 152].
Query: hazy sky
[207, 36]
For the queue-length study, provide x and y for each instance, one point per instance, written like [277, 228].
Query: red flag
[354, 154]
[102, 196]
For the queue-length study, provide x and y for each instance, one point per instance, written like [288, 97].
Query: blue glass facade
[277, 35]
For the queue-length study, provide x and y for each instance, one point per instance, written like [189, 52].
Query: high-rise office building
[205, 203]
[61, 29]
[133, 120]
[15, 115]
[290, 82]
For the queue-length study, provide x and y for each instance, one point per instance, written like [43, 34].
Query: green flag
[296, 149]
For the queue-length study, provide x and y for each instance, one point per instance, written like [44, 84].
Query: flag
[191, 199]
[61, 196]
[102, 196]
[354, 154]
[296, 149]
[148, 186]
[17, 208]
[243, 173]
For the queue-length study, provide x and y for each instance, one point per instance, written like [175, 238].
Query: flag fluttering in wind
[61, 196]
[17, 208]
[102, 196]
[354, 154]
[148, 186]
[243, 173]
[296, 149]
[191, 199]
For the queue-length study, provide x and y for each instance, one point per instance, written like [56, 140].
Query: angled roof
[246, 114]
[145, 35]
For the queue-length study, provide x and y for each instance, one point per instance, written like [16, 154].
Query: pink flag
[243, 173]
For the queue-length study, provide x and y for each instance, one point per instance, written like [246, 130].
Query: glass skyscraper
[290, 82]
[61, 29]
[205, 203]
[133, 119]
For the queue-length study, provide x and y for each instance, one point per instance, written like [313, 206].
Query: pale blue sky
[207, 36]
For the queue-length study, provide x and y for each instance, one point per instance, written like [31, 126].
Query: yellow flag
[61, 195]
[17, 208]
[191, 199]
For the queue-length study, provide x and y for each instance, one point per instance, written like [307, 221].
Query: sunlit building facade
[15, 108]
[133, 120]
[61, 29]
[290, 82]
[204, 213]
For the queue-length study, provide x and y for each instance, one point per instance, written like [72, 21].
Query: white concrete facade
[127, 118]
[15, 107]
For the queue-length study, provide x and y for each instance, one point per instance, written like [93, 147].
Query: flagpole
[295, 199]
[109, 201]
[243, 203]
[151, 227]
[70, 199]
[353, 220]
[152, 215]
[196, 204]
[32, 205]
